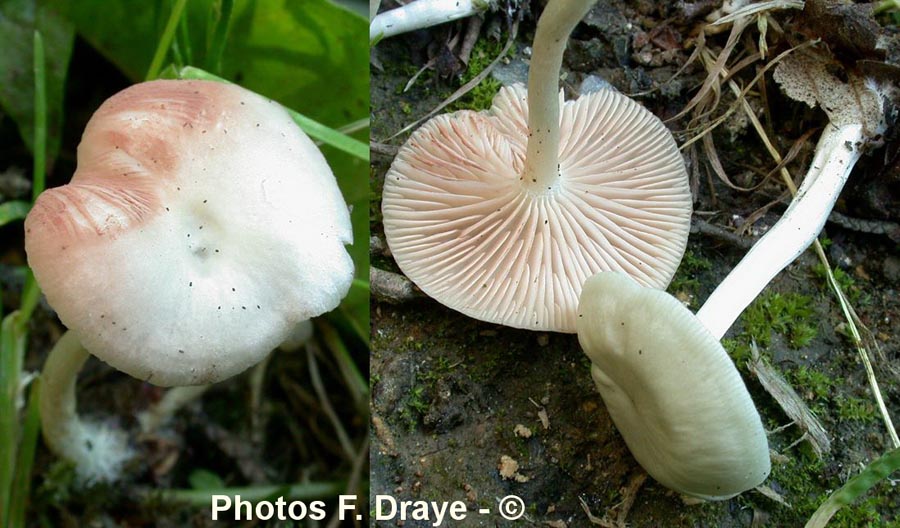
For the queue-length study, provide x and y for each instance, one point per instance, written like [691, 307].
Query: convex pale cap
[464, 226]
[200, 226]
[671, 389]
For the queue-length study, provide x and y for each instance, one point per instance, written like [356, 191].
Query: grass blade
[25, 459]
[40, 118]
[12, 345]
[356, 383]
[309, 490]
[220, 34]
[875, 472]
[316, 130]
[165, 40]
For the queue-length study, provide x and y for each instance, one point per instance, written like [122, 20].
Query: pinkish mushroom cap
[200, 226]
[463, 224]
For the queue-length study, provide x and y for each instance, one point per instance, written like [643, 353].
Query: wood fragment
[392, 287]
[790, 402]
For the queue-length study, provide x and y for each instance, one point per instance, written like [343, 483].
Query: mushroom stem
[422, 14]
[59, 419]
[553, 28]
[836, 153]
[171, 402]
[97, 451]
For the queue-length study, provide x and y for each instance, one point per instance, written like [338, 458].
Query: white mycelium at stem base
[502, 215]
[836, 153]
[98, 451]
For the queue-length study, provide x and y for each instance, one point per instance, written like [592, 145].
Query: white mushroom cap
[200, 226]
[464, 226]
[671, 389]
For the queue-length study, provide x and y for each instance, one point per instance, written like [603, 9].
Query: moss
[812, 381]
[686, 283]
[415, 407]
[855, 294]
[858, 409]
[482, 95]
[790, 315]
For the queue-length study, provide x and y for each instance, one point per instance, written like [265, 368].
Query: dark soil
[449, 392]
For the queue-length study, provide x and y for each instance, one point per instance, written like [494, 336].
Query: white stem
[422, 14]
[836, 154]
[171, 402]
[553, 29]
[59, 419]
[97, 451]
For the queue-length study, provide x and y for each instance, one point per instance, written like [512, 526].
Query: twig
[466, 88]
[392, 287]
[311, 350]
[790, 402]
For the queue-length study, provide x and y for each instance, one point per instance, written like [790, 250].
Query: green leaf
[311, 56]
[202, 479]
[13, 211]
[18, 21]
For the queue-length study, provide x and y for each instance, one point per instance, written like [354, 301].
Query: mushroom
[503, 215]
[856, 119]
[421, 14]
[199, 228]
[671, 389]
[646, 348]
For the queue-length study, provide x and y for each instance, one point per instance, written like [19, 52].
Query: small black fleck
[191, 284]
[232, 289]
[180, 351]
[243, 307]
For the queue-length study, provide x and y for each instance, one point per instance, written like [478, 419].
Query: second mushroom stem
[836, 154]
[556, 23]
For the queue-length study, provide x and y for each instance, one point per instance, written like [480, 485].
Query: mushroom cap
[464, 226]
[671, 389]
[200, 226]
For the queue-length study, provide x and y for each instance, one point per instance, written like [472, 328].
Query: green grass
[18, 443]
